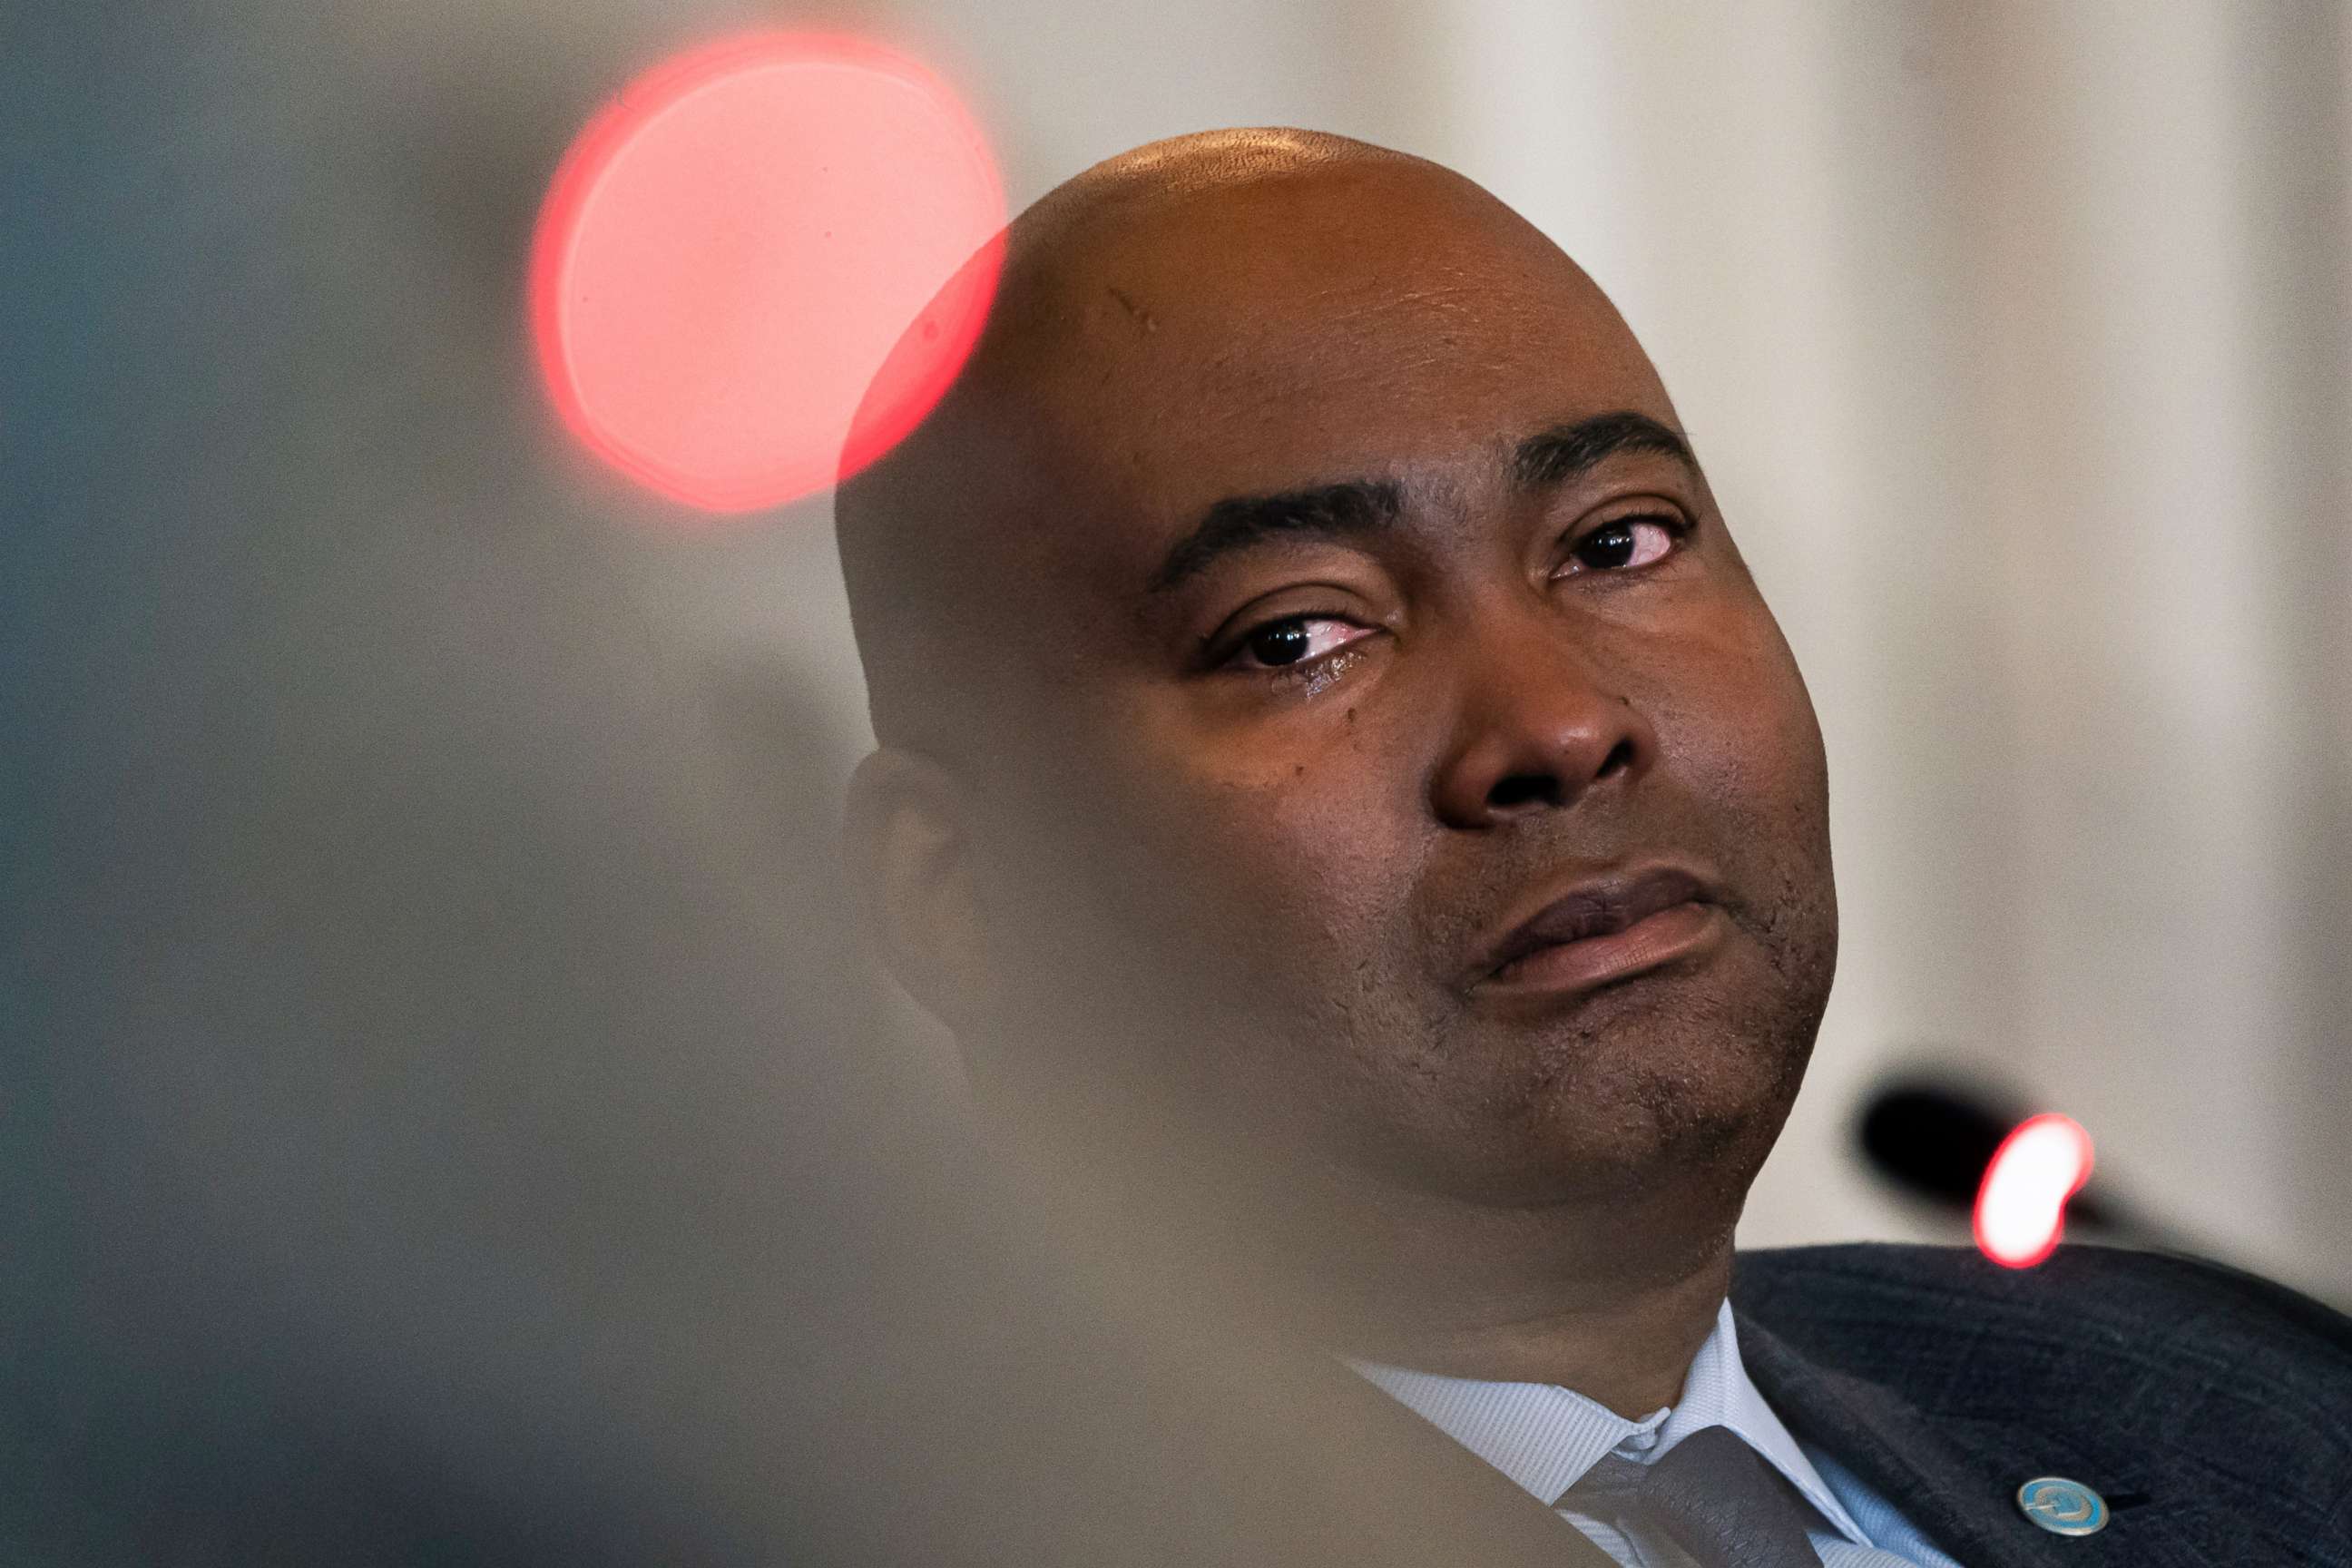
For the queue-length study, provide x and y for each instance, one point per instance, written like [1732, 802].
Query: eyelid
[1635, 508]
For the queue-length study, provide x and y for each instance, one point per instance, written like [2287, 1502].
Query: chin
[1623, 1114]
[1665, 1153]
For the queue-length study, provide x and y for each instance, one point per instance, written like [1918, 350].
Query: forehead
[1386, 321]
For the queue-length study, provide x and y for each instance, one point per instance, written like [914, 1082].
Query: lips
[1604, 929]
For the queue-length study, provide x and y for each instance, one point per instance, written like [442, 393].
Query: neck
[1614, 1304]
[1630, 1350]
[1612, 1299]
[1611, 1296]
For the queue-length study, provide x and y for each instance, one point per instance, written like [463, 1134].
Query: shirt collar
[1546, 1437]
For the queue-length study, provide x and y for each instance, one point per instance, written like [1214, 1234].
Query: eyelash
[1317, 672]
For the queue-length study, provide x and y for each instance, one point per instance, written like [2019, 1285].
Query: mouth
[1603, 931]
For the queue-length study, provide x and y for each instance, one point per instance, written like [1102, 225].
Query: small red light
[2021, 1204]
[733, 248]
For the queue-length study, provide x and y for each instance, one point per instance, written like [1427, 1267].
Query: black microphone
[1934, 1137]
[1934, 1134]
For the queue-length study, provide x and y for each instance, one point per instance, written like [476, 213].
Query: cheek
[1276, 864]
[1259, 872]
[1132, 841]
[1220, 924]
[1741, 741]
[1734, 717]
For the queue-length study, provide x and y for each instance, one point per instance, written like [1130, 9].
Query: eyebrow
[1349, 509]
[1354, 508]
[1567, 451]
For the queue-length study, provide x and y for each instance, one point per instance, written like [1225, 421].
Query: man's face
[1429, 791]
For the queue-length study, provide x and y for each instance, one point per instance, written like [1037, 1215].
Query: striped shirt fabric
[1546, 1437]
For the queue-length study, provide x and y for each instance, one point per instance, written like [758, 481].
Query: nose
[1538, 729]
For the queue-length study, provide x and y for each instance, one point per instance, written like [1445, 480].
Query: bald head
[1171, 290]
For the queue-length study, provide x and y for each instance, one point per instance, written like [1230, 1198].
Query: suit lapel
[1957, 1481]
[1933, 1480]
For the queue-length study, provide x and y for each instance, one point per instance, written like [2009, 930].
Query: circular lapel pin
[2062, 1507]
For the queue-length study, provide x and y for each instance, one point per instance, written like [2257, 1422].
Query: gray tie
[1711, 1494]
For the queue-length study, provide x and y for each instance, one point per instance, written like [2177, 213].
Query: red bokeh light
[731, 249]
[2021, 1209]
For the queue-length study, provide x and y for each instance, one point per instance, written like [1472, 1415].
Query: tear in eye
[1279, 643]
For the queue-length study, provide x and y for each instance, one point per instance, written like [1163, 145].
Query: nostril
[1520, 789]
[1619, 758]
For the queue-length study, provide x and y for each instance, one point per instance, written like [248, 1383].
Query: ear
[909, 852]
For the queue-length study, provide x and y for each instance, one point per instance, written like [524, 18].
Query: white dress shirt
[1544, 1438]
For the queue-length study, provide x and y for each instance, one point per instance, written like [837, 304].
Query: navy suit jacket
[2212, 1410]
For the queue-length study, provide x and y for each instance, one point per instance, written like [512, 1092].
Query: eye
[1295, 640]
[1627, 541]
